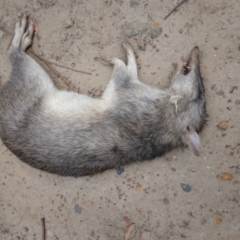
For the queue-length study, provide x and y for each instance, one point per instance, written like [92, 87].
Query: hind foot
[131, 61]
[19, 31]
[120, 170]
[27, 37]
[22, 38]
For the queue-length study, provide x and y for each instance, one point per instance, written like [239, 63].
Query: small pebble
[203, 221]
[207, 6]
[165, 201]
[225, 176]
[138, 187]
[156, 24]
[142, 45]
[120, 170]
[220, 93]
[223, 125]
[77, 209]
[185, 187]
[213, 87]
[217, 220]
[155, 32]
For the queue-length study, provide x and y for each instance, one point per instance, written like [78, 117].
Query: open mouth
[191, 63]
[185, 68]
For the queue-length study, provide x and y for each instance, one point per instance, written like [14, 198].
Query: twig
[175, 8]
[56, 64]
[69, 84]
[44, 228]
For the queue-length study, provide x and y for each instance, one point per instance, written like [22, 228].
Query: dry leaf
[223, 125]
[225, 176]
[138, 187]
[217, 220]
[156, 24]
[207, 6]
[127, 219]
[129, 230]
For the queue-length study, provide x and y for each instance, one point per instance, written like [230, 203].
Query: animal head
[187, 82]
[187, 94]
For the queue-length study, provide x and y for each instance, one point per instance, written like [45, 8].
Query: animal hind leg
[123, 76]
[120, 73]
[26, 71]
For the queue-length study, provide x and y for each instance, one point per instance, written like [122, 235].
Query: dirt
[177, 196]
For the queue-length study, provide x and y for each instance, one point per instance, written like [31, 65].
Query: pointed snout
[194, 57]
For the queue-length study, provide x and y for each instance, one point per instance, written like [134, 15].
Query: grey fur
[130, 122]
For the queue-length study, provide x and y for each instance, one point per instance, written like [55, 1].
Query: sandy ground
[148, 194]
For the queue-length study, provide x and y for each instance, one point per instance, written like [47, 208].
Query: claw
[35, 26]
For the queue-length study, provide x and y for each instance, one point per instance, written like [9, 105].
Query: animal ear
[193, 140]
